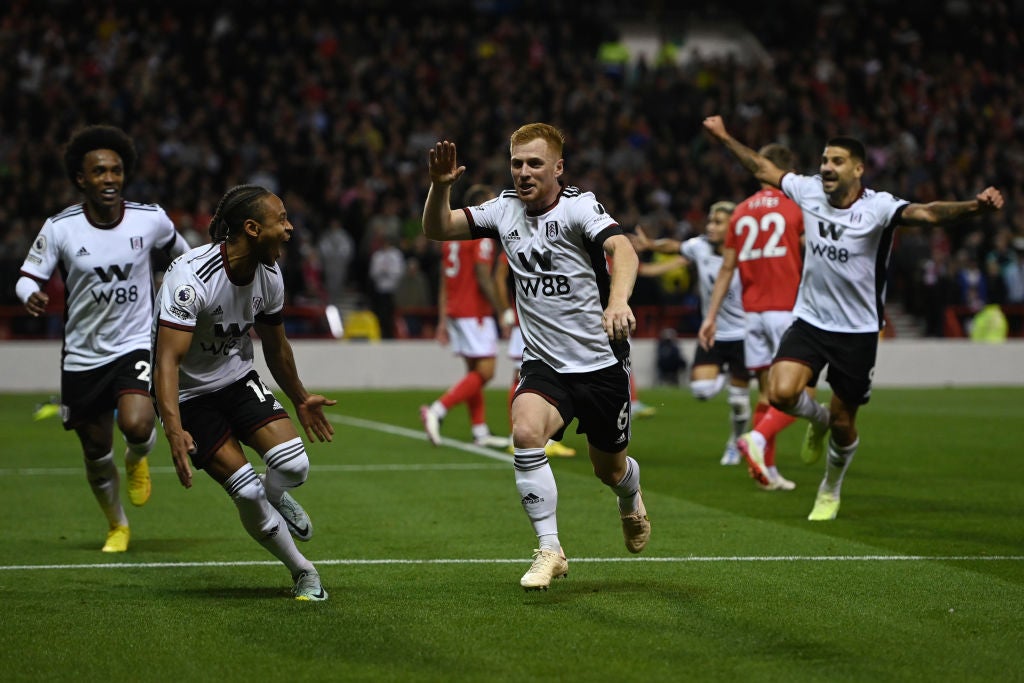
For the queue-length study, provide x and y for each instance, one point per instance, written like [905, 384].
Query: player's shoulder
[200, 263]
[67, 214]
[576, 196]
[876, 197]
[696, 245]
[581, 205]
[143, 207]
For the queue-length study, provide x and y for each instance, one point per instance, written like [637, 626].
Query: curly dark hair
[236, 206]
[98, 137]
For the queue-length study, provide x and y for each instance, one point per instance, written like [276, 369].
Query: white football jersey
[730, 323]
[199, 295]
[108, 278]
[561, 275]
[846, 258]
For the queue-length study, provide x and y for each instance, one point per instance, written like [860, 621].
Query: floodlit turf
[421, 549]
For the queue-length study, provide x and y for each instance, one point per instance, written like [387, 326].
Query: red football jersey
[765, 231]
[464, 296]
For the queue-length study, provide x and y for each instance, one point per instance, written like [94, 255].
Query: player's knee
[289, 460]
[528, 435]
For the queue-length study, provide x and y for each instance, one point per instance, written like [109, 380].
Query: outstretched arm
[439, 221]
[663, 245]
[936, 213]
[764, 170]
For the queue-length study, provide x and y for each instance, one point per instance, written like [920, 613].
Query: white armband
[508, 317]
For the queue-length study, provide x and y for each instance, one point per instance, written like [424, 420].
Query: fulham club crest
[552, 229]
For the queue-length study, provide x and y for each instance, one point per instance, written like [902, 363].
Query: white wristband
[508, 317]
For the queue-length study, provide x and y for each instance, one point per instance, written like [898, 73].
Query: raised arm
[936, 213]
[439, 221]
[763, 169]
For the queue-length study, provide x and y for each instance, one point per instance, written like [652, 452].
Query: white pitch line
[342, 419]
[589, 560]
[416, 434]
[413, 467]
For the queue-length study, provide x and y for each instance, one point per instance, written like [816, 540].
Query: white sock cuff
[143, 448]
[526, 459]
[100, 463]
[704, 389]
[288, 458]
[807, 407]
[239, 483]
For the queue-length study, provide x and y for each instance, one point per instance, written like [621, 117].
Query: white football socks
[836, 464]
[539, 494]
[287, 468]
[739, 403]
[106, 486]
[628, 487]
[262, 521]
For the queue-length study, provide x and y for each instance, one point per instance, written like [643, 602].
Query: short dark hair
[238, 204]
[98, 137]
[778, 154]
[852, 145]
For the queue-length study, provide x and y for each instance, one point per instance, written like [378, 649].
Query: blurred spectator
[971, 283]
[336, 249]
[670, 361]
[936, 285]
[387, 266]
[1005, 264]
[413, 296]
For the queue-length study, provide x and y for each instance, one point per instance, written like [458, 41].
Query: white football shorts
[764, 334]
[473, 337]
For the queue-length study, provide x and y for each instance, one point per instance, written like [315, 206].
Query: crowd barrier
[423, 364]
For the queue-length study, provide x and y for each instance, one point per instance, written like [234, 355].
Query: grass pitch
[421, 549]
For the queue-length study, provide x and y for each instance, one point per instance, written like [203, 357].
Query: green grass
[422, 548]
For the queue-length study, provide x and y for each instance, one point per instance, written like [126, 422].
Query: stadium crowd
[334, 110]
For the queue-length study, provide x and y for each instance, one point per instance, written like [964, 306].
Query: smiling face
[102, 181]
[536, 168]
[272, 230]
[840, 175]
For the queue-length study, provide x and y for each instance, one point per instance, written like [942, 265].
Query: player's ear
[251, 227]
